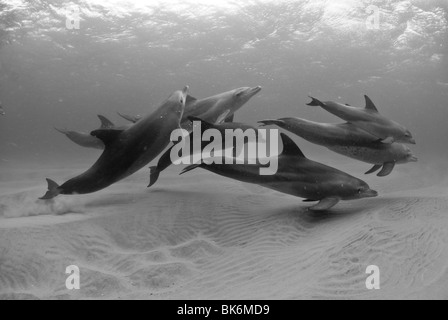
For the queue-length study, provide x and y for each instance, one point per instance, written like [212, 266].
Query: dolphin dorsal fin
[190, 99]
[105, 123]
[108, 136]
[290, 148]
[370, 105]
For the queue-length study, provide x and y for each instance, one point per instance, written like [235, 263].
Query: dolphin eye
[360, 190]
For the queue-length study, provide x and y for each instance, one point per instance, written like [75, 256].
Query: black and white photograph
[241, 152]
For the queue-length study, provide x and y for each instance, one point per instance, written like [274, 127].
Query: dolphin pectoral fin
[375, 168]
[53, 190]
[190, 168]
[133, 119]
[370, 105]
[163, 163]
[325, 204]
[271, 123]
[230, 118]
[105, 123]
[222, 118]
[153, 176]
[387, 169]
[388, 140]
[106, 135]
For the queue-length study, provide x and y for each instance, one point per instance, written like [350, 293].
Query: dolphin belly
[364, 154]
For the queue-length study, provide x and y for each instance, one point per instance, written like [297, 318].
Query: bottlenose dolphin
[219, 108]
[368, 119]
[85, 139]
[298, 176]
[2, 112]
[126, 151]
[165, 160]
[350, 141]
[82, 139]
[215, 110]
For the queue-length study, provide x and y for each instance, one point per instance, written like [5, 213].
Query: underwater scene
[251, 149]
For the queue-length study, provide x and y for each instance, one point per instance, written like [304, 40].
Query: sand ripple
[217, 240]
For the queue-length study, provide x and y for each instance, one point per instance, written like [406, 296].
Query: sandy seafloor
[201, 236]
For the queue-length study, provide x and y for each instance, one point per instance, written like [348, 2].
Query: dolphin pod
[126, 150]
[298, 176]
[350, 141]
[369, 120]
[216, 109]
[367, 136]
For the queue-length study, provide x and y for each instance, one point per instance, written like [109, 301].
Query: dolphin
[85, 139]
[298, 176]
[350, 141]
[217, 109]
[126, 150]
[368, 119]
[165, 160]
[2, 111]
[82, 139]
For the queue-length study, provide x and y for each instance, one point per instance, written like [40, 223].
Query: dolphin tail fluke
[271, 123]
[53, 190]
[315, 102]
[153, 176]
[190, 168]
